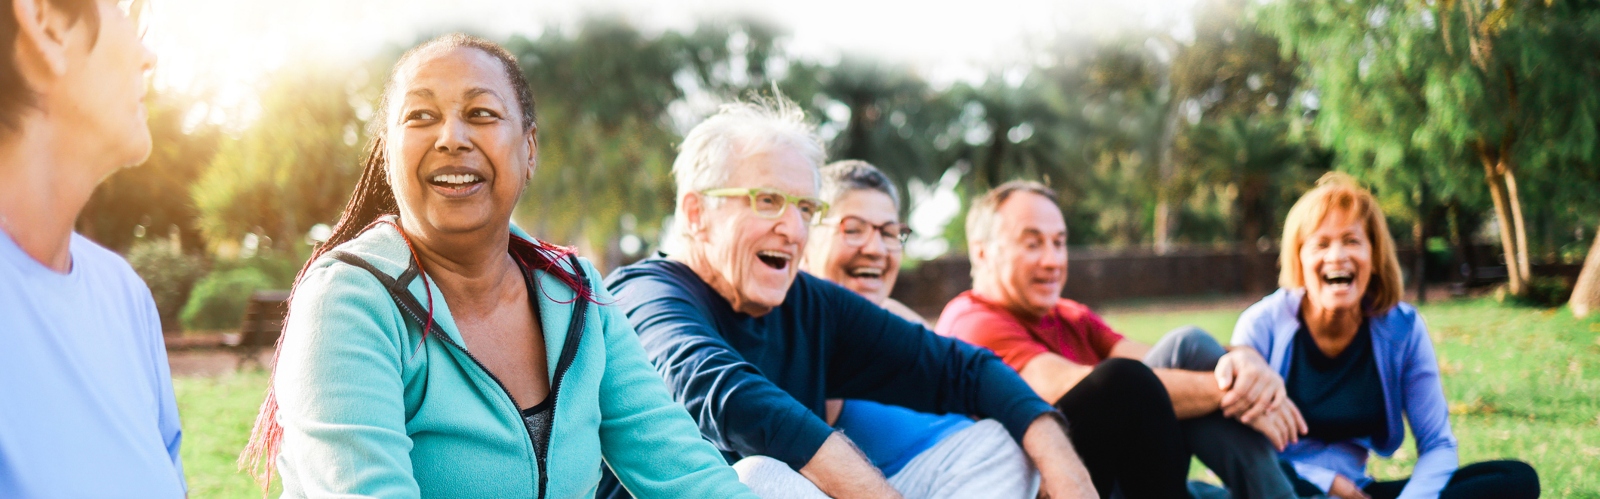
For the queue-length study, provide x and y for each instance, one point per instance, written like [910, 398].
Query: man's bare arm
[1061, 471]
[840, 470]
[1052, 376]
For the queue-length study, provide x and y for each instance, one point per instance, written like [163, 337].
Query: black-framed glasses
[855, 231]
[769, 203]
[137, 11]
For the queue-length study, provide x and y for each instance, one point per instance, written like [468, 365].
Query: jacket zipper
[563, 362]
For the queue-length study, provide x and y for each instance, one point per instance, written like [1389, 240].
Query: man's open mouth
[775, 259]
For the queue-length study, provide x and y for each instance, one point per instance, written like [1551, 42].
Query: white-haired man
[752, 347]
[88, 408]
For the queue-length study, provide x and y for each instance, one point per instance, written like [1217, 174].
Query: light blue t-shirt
[86, 404]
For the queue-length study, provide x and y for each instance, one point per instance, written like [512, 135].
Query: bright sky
[230, 43]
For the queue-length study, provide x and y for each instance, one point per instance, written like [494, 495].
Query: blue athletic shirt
[892, 436]
[86, 403]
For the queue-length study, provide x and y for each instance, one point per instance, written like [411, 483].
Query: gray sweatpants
[980, 461]
[1241, 456]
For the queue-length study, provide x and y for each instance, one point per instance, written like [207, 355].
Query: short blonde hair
[1338, 193]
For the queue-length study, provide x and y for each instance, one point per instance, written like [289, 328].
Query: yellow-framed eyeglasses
[769, 203]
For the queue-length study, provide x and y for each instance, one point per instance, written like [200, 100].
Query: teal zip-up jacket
[370, 408]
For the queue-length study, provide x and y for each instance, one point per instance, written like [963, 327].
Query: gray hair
[842, 177]
[739, 129]
[981, 216]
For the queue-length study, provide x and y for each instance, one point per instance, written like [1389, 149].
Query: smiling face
[458, 154]
[1336, 263]
[1024, 264]
[869, 269]
[749, 259]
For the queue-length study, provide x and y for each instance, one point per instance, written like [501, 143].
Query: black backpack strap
[569, 350]
[412, 308]
[397, 287]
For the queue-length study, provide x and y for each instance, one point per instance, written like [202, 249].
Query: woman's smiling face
[1336, 262]
[458, 153]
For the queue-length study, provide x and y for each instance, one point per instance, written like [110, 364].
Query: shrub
[170, 274]
[219, 300]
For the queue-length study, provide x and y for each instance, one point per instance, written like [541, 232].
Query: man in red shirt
[1136, 412]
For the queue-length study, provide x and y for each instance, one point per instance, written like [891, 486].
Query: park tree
[149, 200]
[290, 168]
[611, 101]
[1424, 94]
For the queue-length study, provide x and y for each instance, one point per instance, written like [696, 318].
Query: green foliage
[170, 274]
[1543, 292]
[151, 198]
[217, 415]
[219, 300]
[294, 167]
[1414, 92]
[607, 94]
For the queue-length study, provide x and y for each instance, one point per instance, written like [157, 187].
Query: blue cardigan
[370, 408]
[1410, 375]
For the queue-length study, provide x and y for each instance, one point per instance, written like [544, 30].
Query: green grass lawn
[1522, 383]
[217, 414]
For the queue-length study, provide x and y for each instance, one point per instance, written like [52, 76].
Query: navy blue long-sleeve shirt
[757, 385]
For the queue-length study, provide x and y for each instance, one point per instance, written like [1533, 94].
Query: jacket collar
[383, 247]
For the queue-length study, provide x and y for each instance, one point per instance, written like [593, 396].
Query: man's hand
[840, 470]
[1252, 387]
[1282, 426]
[1061, 472]
[1343, 488]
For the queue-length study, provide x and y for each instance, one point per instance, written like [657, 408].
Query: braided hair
[373, 200]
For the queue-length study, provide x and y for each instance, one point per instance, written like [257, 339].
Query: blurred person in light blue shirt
[86, 403]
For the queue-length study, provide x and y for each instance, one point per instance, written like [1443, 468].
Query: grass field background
[1522, 383]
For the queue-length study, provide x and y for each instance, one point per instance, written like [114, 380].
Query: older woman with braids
[1355, 359]
[432, 350]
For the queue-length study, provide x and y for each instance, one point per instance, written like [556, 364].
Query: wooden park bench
[263, 323]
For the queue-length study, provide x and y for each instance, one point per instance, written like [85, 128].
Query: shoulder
[101, 264]
[653, 271]
[1281, 305]
[120, 287]
[967, 313]
[1074, 311]
[905, 312]
[1401, 324]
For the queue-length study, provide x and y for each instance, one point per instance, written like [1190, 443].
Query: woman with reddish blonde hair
[1355, 359]
[434, 350]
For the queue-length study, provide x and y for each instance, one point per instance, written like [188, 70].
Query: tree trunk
[1502, 214]
[1419, 272]
[1586, 295]
[1522, 225]
[1166, 171]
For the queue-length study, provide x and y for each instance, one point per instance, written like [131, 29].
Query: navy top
[757, 385]
[1341, 397]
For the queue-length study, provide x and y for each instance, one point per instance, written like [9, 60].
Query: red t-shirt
[1069, 330]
